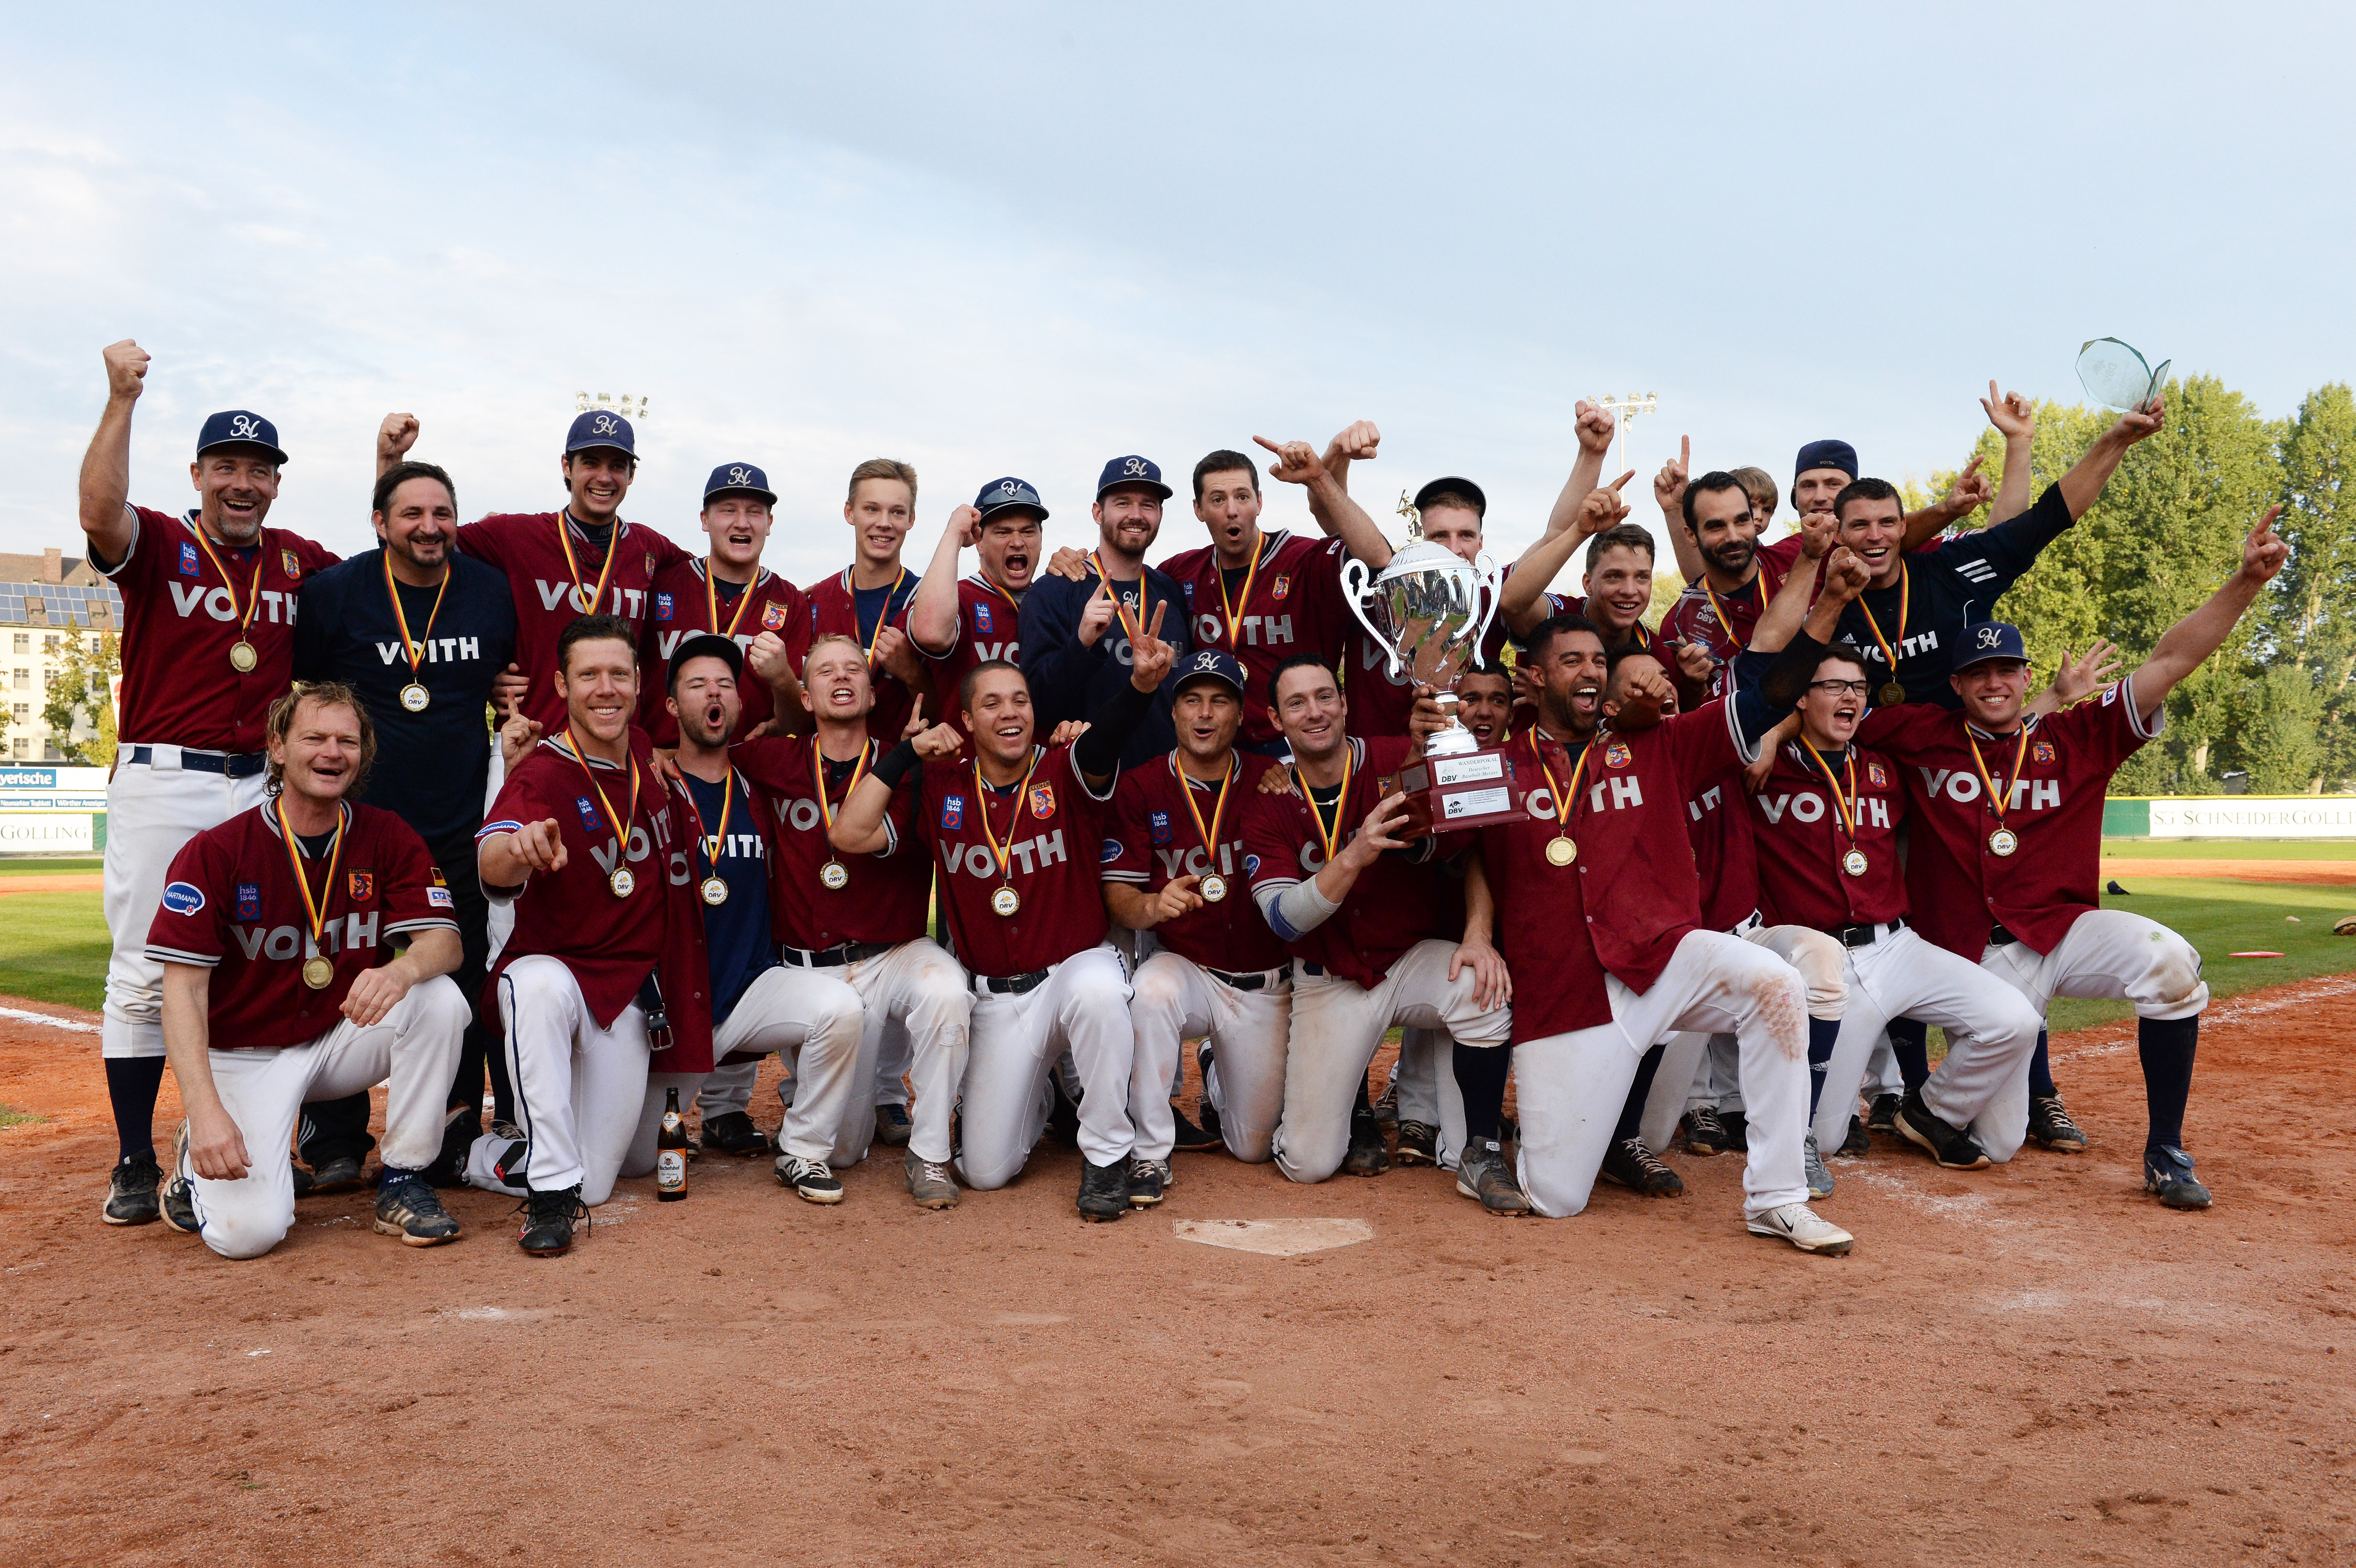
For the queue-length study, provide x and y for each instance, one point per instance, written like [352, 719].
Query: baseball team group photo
[1591, 975]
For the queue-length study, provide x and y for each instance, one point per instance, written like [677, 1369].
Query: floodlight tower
[1627, 408]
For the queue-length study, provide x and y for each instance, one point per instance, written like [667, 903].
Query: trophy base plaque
[1468, 790]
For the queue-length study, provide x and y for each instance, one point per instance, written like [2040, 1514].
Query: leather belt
[1999, 938]
[1318, 970]
[232, 764]
[1012, 985]
[832, 957]
[1865, 935]
[1258, 980]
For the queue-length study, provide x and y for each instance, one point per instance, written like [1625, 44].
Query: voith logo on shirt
[1962, 786]
[1624, 794]
[1806, 805]
[1035, 853]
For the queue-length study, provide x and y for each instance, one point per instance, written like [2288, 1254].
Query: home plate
[1275, 1238]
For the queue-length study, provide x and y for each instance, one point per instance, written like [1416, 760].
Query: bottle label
[670, 1171]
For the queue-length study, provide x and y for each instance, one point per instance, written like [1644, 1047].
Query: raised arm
[395, 434]
[1669, 491]
[1790, 606]
[2084, 484]
[1521, 604]
[106, 515]
[2015, 419]
[858, 827]
[2183, 646]
[1297, 462]
[933, 612]
[1972, 492]
[1595, 425]
[1358, 443]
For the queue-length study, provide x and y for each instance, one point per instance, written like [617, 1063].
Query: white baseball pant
[1572, 1086]
[812, 1018]
[153, 809]
[578, 1087]
[1711, 1064]
[1426, 1058]
[1337, 1026]
[727, 1087]
[2111, 955]
[413, 1051]
[1174, 1000]
[1982, 1083]
[1081, 1006]
[916, 1006]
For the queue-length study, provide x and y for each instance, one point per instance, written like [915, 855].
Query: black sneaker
[460, 1129]
[1630, 1163]
[407, 1207]
[1104, 1190]
[811, 1178]
[1367, 1157]
[1210, 1128]
[1192, 1139]
[2050, 1125]
[1386, 1108]
[1418, 1144]
[1858, 1142]
[547, 1222]
[1951, 1146]
[1705, 1134]
[1148, 1180]
[178, 1200]
[341, 1174]
[1738, 1131]
[131, 1197]
[1882, 1116]
[733, 1132]
[892, 1126]
[1485, 1175]
[2168, 1173]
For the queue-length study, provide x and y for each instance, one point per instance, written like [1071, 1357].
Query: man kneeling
[278, 988]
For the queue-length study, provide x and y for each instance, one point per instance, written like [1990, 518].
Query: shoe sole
[171, 1224]
[546, 1252]
[1104, 1219]
[749, 1151]
[1705, 1151]
[935, 1204]
[1139, 1201]
[1906, 1130]
[2063, 1146]
[1406, 1156]
[2184, 1205]
[1826, 1249]
[1641, 1191]
[392, 1228]
[820, 1196]
[131, 1219]
[1487, 1207]
[1205, 1147]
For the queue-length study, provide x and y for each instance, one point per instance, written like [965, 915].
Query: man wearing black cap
[957, 621]
[1076, 652]
[208, 609]
[728, 592]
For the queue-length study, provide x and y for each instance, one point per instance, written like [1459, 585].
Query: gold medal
[2003, 841]
[415, 697]
[716, 891]
[317, 972]
[1854, 862]
[1005, 901]
[241, 657]
[623, 883]
[1844, 804]
[834, 874]
[1892, 694]
[1214, 888]
[1562, 850]
[620, 880]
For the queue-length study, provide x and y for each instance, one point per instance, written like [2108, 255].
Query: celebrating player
[861, 917]
[274, 936]
[209, 608]
[1175, 865]
[728, 592]
[960, 621]
[868, 599]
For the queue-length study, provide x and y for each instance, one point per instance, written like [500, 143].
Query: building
[47, 608]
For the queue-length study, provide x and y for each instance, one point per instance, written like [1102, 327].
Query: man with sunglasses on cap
[209, 601]
[727, 591]
[957, 622]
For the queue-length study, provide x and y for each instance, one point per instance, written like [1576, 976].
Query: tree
[82, 694]
[2312, 615]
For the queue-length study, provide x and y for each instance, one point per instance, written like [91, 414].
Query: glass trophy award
[2116, 377]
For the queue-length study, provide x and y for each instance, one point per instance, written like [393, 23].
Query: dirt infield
[52, 882]
[2311, 873]
[2031, 1364]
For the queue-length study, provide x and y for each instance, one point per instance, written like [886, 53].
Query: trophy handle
[1356, 583]
[1492, 580]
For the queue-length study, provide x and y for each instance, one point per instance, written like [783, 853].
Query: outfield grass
[2230, 848]
[48, 865]
[53, 948]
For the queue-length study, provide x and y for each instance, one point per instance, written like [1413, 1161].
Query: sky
[1028, 239]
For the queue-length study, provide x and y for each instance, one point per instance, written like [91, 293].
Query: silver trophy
[1431, 611]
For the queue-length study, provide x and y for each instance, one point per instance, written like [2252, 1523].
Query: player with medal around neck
[704, 701]
[839, 693]
[419, 525]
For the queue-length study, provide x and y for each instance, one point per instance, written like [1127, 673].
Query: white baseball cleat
[1803, 1228]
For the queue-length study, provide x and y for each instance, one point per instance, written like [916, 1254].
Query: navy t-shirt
[735, 934]
[431, 768]
[1068, 681]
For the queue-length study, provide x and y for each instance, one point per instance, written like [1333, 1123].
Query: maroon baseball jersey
[527, 546]
[1722, 623]
[230, 905]
[1052, 823]
[610, 943]
[1152, 840]
[989, 626]
[1957, 885]
[180, 619]
[887, 896]
[1398, 901]
[830, 610]
[1381, 702]
[1291, 604]
[1724, 857]
[679, 607]
[1801, 840]
[1632, 893]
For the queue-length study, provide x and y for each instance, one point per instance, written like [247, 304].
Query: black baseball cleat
[892, 1126]
[1705, 1134]
[341, 1174]
[1486, 1176]
[1738, 1131]
[409, 1208]
[1386, 1108]
[2050, 1125]
[2168, 1173]
[1858, 1141]
[1104, 1189]
[1951, 1145]
[547, 1222]
[1367, 1157]
[1882, 1116]
[1628, 1163]
[130, 1197]
[1192, 1139]
[179, 1200]
[460, 1127]
[733, 1132]
[1418, 1144]
[1149, 1179]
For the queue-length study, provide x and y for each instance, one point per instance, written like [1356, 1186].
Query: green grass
[53, 948]
[48, 865]
[2218, 917]
[2230, 848]
[12, 1118]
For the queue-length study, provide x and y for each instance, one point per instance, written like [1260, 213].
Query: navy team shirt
[735, 934]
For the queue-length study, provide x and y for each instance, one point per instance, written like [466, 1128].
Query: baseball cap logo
[1987, 636]
[1134, 466]
[605, 424]
[1206, 662]
[242, 427]
[740, 475]
[1008, 486]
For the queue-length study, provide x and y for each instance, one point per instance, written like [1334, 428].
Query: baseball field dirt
[2031, 1364]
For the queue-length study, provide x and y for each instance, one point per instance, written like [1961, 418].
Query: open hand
[1493, 984]
[1069, 562]
[2078, 678]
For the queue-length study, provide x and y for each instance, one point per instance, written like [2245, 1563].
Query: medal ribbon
[1022, 802]
[1211, 836]
[982, 581]
[621, 825]
[712, 599]
[1904, 594]
[1564, 801]
[253, 590]
[711, 841]
[1719, 609]
[2020, 755]
[858, 772]
[1234, 625]
[312, 906]
[564, 537]
[1845, 806]
[883, 618]
[415, 651]
[1120, 606]
[1330, 841]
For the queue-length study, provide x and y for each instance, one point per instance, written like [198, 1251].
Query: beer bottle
[670, 1151]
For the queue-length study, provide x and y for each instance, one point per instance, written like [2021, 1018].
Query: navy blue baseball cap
[1837, 455]
[235, 427]
[1209, 664]
[738, 476]
[706, 646]
[1991, 640]
[1131, 470]
[1455, 485]
[601, 427]
[1011, 495]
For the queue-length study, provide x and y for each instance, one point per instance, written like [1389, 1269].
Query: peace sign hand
[1150, 656]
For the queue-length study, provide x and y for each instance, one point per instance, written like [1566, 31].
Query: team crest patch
[183, 898]
[953, 812]
[981, 619]
[1188, 589]
[439, 880]
[2110, 694]
[361, 885]
[249, 901]
[1615, 755]
[1875, 776]
[588, 813]
[1042, 801]
[1284, 586]
[2042, 752]
[294, 567]
[1161, 825]
[773, 617]
[188, 567]
[439, 897]
[650, 564]
[1109, 851]
[663, 606]
[1251, 865]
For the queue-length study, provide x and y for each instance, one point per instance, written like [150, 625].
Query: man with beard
[957, 622]
[208, 614]
[1078, 646]
[862, 916]
[729, 593]
[1174, 864]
